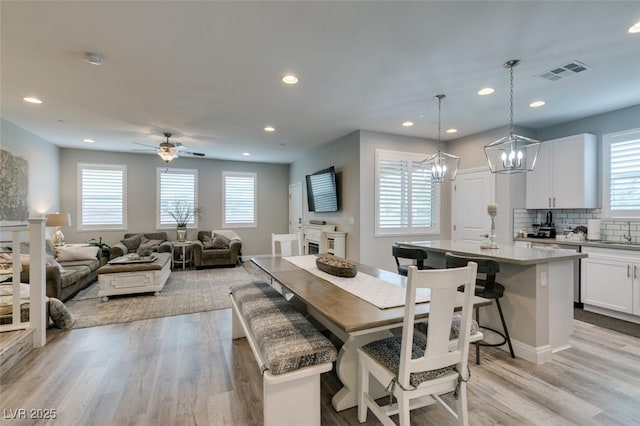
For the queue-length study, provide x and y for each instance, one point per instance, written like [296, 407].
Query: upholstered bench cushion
[285, 338]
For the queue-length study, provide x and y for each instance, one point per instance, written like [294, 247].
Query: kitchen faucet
[627, 236]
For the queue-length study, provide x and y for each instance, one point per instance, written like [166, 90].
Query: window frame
[163, 170]
[607, 140]
[410, 230]
[101, 227]
[228, 225]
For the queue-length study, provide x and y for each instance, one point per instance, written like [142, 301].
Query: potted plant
[182, 212]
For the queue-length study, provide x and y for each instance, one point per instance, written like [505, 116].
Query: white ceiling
[210, 71]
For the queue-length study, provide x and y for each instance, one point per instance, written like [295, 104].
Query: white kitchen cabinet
[611, 280]
[565, 174]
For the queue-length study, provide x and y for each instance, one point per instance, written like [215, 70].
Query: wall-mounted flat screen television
[322, 192]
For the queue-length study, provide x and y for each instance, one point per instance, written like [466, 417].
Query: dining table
[353, 320]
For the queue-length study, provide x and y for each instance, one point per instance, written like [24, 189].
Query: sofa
[216, 248]
[69, 269]
[133, 242]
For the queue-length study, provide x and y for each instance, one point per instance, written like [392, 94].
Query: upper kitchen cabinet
[565, 174]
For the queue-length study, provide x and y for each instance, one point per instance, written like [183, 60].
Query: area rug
[615, 324]
[185, 292]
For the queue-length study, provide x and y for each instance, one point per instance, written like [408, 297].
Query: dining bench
[289, 350]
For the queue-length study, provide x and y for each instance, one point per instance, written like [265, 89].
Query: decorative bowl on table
[336, 266]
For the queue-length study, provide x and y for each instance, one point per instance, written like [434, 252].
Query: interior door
[295, 207]
[472, 191]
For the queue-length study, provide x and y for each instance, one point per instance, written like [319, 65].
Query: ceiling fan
[169, 151]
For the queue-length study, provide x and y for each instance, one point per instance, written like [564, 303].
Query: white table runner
[373, 290]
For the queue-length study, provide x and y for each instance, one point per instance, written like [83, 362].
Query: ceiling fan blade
[145, 150]
[195, 154]
[144, 144]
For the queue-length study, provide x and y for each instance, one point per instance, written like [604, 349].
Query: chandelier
[442, 166]
[512, 153]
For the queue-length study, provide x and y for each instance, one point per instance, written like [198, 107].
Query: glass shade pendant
[443, 167]
[167, 151]
[512, 153]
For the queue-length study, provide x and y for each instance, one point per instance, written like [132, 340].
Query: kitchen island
[538, 297]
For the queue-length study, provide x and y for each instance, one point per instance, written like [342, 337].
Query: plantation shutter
[406, 196]
[623, 186]
[239, 199]
[177, 186]
[102, 196]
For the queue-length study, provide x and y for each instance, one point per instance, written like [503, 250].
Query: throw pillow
[207, 241]
[147, 244]
[65, 253]
[132, 243]
[59, 314]
[220, 242]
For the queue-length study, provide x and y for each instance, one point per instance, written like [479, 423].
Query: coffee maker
[547, 229]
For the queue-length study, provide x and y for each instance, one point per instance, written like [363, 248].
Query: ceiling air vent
[564, 71]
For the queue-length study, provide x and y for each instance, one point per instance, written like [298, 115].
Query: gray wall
[44, 166]
[377, 250]
[272, 196]
[342, 153]
[613, 121]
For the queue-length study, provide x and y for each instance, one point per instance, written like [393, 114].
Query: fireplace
[313, 248]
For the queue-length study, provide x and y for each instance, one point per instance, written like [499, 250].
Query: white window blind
[406, 197]
[239, 194]
[176, 187]
[102, 200]
[621, 174]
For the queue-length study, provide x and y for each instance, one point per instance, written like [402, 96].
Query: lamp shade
[168, 153]
[58, 219]
[512, 154]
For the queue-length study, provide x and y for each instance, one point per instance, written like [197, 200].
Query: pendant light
[442, 166]
[512, 153]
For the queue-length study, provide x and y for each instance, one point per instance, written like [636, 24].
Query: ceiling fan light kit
[443, 167]
[512, 153]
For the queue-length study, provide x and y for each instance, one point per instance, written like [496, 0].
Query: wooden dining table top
[348, 312]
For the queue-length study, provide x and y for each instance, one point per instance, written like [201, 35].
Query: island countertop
[505, 254]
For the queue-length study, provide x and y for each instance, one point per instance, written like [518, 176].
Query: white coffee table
[122, 277]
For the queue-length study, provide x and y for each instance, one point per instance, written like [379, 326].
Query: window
[102, 200]
[176, 187]
[239, 195]
[621, 174]
[407, 199]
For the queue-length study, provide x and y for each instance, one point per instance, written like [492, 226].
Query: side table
[183, 256]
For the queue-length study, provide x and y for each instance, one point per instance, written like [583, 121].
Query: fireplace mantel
[325, 238]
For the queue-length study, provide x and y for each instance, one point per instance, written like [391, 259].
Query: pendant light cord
[511, 102]
[439, 132]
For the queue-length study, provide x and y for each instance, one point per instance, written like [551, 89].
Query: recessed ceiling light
[635, 28]
[290, 79]
[452, 130]
[93, 58]
[32, 100]
[536, 104]
[87, 140]
[407, 124]
[246, 154]
[269, 129]
[486, 91]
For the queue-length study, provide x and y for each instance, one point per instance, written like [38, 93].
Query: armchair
[216, 248]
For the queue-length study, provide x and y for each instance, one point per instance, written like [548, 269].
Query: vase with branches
[183, 213]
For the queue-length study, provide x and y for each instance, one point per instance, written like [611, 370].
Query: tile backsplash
[610, 230]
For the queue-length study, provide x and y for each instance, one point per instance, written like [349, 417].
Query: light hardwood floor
[186, 370]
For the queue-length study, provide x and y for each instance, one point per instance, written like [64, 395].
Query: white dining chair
[287, 243]
[417, 371]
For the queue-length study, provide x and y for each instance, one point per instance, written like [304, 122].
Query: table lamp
[58, 220]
